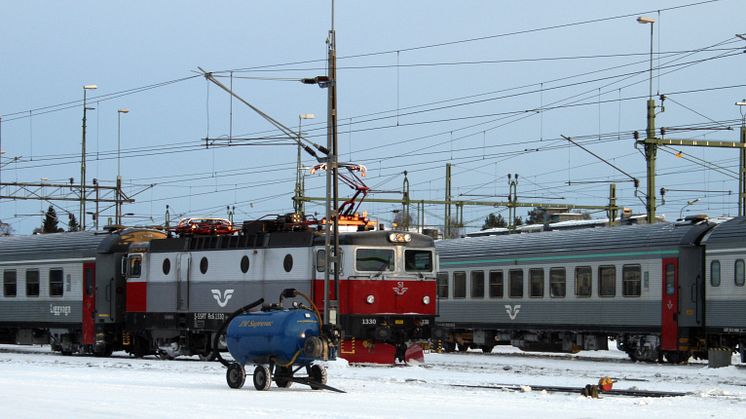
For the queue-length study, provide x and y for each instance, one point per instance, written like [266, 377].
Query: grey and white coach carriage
[66, 288]
[662, 291]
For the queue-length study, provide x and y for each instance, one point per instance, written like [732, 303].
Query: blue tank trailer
[280, 341]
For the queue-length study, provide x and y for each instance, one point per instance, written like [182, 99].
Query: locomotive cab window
[606, 281]
[374, 260]
[459, 285]
[516, 283]
[536, 282]
[321, 261]
[477, 284]
[32, 283]
[9, 283]
[715, 273]
[739, 273]
[134, 266]
[557, 283]
[418, 260]
[583, 281]
[496, 284]
[442, 284]
[56, 283]
[631, 275]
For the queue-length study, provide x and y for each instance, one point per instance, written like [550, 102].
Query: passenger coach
[567, 291]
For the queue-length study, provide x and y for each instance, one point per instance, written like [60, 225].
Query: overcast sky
[488, 86]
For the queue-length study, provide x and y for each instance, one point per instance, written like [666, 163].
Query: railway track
[577, 390]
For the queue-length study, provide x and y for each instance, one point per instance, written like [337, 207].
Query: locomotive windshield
[418, 260]
[134, 266]
[374, 260]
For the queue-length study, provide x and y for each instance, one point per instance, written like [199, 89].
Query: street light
[650, 147]
[298, 174]
[688, 203]
[86, 88]
[119, 136]
[742, 162]
[645, 20]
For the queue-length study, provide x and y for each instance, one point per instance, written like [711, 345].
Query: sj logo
[222, 298]
[512, 310]
[400, 289]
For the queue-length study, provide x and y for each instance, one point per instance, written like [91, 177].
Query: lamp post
[688, 203]
[119, 136]
[650, 147]
[742, 163]
[298, 174]
[86, 88]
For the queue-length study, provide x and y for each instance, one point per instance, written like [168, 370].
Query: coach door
[670, 303]
[183, 265]
[89, 303]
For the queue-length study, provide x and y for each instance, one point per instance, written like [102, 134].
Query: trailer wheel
[317, 374]
[283, 376]
[262, 379]
[235, 376]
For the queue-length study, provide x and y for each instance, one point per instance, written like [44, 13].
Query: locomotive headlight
[400, 237]
[426, 300]
[370, 299]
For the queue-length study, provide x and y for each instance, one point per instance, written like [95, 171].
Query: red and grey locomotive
[179, 290]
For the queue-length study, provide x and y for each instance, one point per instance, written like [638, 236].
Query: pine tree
[493, 221]
[536, 216]
[72, 224]
[50, 223]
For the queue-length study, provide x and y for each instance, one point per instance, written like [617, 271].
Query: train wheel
[676, 357]
[207, 356]
[262, 379]
[104, 351]
[449, 346]
[235, 376]
[317, 374]
[487, 348]
[283, 376]
[463, 347]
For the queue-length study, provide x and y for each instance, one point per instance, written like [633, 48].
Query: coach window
[516, 283]
[557, 282]
[477, 284]
[607, 281]
[715, 273]
[583, 281]
[32, 283]
[442, 284]
[374, 260]
[631, 275]
[56, 283]
[739, 273]
[496, 284]
[536, 282]
[670, 279]
[9, 283]
[134, 266]
[459, 285]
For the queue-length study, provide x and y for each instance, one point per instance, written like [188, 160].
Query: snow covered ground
[37, 384]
